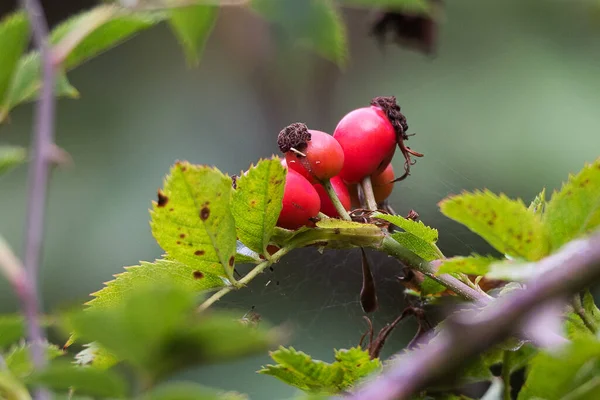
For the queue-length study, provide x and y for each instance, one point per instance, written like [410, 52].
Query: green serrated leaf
[96, 356]
[10, 157]
[473, 265]
[418, 246]
[111, 27]
[314, 24]
[357, 364]
[505, 224]
[331, 233]
[575, 209]
[86, 381]
[300, 370]
[18, 358]
[139, 322]
[510, 270]
[86, 35]
[192, 27]
[14, 35]
[573, 372]
[158, 331]
[194, 278]
[538, 204]
[192, 220]
[190, 391]
[256, 203]
[417, 228]
[26, 84]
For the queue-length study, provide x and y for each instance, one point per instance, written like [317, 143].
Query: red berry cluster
[362, 145]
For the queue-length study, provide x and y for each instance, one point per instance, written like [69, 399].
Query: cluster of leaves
[155, 331]
[525, 234]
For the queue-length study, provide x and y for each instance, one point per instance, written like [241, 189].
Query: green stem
[367, 188]
[321, 215]
[246, 279]
[415, 262]
[461, 277]
[335, 200]
[580, 311]
[506, 374]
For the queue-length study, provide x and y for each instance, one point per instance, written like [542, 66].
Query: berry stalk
[335, 200]
[367, 187]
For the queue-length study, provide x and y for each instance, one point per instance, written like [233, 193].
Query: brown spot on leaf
[162, 199]
[198, 275]
[178, 242]
[204, 213]
[171, 209]
[490, 223]
[336, 231]
[231, 261]
[253, 203]
[182, 235]
[199, 252]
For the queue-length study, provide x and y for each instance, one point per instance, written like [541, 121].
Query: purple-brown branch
[570, 270]
[43, 139]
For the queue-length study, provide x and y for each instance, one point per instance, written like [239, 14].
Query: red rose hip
[313, 154]
[368, 140]
[369, 136]
[301, 202]
[383, 184]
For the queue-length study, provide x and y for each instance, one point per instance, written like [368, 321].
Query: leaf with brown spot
[575, 209]
[257, 202]
[515, 231]
[159, 271]
[201, 219]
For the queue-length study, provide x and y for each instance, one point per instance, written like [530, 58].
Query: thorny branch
[570, 270]
[43, 139]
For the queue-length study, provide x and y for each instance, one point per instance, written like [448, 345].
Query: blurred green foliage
[509, 102]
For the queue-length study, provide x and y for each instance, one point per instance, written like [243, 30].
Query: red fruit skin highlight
[301, 202]
[341, 190]
[324, 157]
[368, 140]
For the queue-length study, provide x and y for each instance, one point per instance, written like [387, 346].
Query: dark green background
[510, 102]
